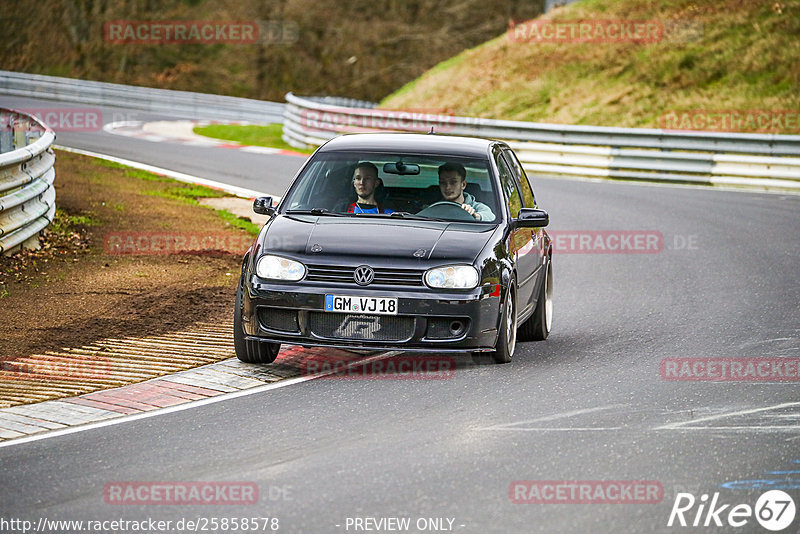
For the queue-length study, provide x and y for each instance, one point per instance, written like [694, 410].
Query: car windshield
[395, 185]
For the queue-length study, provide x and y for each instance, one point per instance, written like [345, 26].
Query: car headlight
[452, 277]
[278, 268]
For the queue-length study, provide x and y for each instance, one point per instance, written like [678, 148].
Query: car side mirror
[532, 218]
[263, 206]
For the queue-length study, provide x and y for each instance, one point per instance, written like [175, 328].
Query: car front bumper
[426, 320]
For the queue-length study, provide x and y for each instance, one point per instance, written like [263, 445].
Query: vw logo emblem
[364, 275]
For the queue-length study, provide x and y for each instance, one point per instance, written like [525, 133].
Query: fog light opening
[456, 328]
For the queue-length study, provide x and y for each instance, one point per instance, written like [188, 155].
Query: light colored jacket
[479, 207]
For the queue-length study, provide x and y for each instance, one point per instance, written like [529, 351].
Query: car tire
[537, 327]
[507, 336]
[249, 351]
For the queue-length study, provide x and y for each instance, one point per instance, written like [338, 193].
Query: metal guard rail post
[27, 194]
[714, 158]
[160, 101]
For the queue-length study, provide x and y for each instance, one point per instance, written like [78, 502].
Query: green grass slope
[715, 55]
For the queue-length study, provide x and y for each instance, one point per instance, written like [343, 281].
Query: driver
[365, 182]
[452, 184]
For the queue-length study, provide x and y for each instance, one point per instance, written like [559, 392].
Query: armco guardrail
[27, 195]
[175, 103]
[763, 160]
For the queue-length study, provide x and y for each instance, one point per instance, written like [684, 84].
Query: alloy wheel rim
[511, 330]
[548, 298]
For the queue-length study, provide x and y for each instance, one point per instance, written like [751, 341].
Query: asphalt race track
[588, 404]
[251, 171]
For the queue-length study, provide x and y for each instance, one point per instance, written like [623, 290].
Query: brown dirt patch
[74, 292]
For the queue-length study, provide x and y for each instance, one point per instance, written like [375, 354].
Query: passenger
[452, 184]
[366, 182]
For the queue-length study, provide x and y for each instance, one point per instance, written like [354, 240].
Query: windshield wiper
[396, 214]
[407, 215]
[317, 211]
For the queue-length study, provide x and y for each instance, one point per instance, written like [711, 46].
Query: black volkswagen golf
[399, 241]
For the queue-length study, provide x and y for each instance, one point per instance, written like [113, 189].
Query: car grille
[344, 275]
[361, 327]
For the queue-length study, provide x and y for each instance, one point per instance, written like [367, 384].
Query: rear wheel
[537, 327]
[507, 338]
[249, 351]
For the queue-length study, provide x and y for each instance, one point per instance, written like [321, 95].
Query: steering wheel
[446, 209]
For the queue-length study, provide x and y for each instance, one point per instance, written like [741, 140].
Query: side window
[516, 168]
[509, 184]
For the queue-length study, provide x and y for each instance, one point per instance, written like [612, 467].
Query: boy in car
[365, 182]
[452, 184]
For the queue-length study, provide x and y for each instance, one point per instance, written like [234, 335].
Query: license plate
[356, 304]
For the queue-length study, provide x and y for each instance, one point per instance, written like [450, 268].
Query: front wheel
[507, 339]
[537, 327]
[249, 351]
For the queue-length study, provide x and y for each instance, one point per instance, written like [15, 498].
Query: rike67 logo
[774, 511]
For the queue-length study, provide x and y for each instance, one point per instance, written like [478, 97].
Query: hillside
[723, 59]
[358, 49]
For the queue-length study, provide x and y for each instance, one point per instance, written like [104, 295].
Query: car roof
[414, 143]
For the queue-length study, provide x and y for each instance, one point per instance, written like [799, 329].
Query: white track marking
[189, 405]
[682, 425]
[182, 132]
[260, 149]
[562, 415]
[546, 429]
[764, 428]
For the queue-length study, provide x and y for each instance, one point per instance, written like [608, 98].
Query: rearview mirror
[532, 218]
[263, 206]
[401, 168]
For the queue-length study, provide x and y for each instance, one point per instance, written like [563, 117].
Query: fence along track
[27, 195]
[174, 103]
[713, 158]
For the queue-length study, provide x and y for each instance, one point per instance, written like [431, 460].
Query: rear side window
[519, 172]
[509, 184]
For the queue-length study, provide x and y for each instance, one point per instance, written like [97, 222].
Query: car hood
[318, 236]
